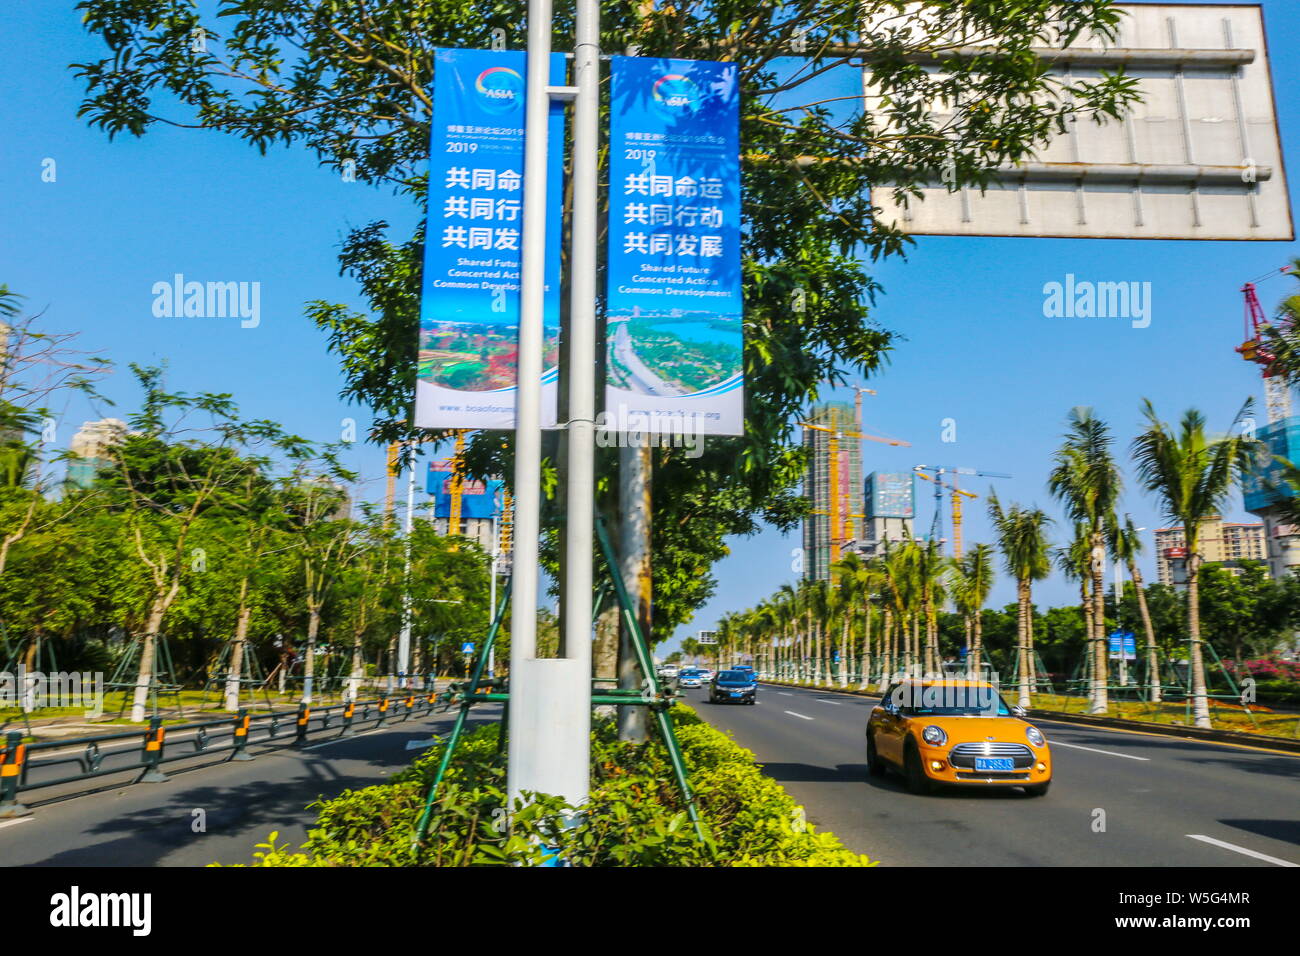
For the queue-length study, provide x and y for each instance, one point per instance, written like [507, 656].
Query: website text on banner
[674, 334]
[469, 308]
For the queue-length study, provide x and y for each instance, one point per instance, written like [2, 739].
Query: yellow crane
[393, 449]
[457, 484]
[837, 524]
[957, 494]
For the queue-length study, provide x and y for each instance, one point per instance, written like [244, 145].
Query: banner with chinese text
[674, 332]
[469, 305]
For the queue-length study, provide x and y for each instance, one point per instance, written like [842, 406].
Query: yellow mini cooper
[947, 731]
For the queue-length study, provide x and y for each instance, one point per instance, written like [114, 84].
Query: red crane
[1277, 394]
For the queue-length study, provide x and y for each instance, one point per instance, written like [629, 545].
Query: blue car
[736, 686]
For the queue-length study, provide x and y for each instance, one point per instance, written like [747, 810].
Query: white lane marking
[1108, 753]
[800, 716]
[10, 823]
[1240, 849]
[833, 703]
[339, 740]
[785, 693]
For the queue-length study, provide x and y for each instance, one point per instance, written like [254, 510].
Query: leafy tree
[1021, 534]
[1086, 479]
[1246, 611]
[974, 581]
[166, 479]
[1126, 545]
[1192, 476]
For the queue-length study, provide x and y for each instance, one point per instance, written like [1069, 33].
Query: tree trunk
[635, 467]
[932, 638]
[1200, 703]
[309, 662]
[887, 666]
[604, 654]
[237, 650]
[865, 683]
[1022, 630]
[144, 677]
[914, 652]
[977, 642]
[842, 678]
[1101, 673]
[1153, 657]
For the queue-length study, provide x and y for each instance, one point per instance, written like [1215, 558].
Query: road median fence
[29, 766]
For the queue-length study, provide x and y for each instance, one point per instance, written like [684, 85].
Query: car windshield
[950, 701]
[735, 676]
[691, 673]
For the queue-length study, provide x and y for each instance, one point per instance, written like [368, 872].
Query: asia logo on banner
[469, 303]
[674, 303]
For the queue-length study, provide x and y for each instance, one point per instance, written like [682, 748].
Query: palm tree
[931, 570]
[1021, 534]
[787, 610]
[1075, 562]
[900, 571]
[1125, 546]
[975, 572]
[1192, 475]
[847, 596]
[1283, 337]
[871, 580]
[818, 612]
[1087, 481]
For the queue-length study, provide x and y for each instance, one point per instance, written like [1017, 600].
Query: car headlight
[1035, 736]
[934, 735]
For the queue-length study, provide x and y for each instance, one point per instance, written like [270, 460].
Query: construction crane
[836, 517]
[393, 449]
[457, 489]
[507, 524]
[957, 494]
[1277, 393]
[938, 471]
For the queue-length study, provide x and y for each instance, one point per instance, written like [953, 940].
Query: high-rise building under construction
[835, 421]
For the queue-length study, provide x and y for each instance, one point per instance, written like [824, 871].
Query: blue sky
[121, 216]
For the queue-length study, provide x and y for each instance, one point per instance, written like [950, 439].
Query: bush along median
[635, 816]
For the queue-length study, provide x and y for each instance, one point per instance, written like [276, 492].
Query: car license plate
[994, 763]
[735, 693]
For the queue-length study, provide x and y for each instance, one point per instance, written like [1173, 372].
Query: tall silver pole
[404, 638]
[550, 699]
[492, 594]
[634, 476]
[581, 491]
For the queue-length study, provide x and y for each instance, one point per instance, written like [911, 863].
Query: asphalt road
[154, 824]
[1163, 798]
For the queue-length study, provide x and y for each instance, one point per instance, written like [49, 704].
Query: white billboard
[1198, 158]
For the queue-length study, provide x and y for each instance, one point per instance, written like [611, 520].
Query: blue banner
[674, 334]
[478, 499]
[469, 307]
[1123, 645]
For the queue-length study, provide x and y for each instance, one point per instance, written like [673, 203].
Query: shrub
[635, 816]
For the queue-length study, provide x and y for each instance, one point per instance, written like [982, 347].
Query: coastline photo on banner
[674, 333]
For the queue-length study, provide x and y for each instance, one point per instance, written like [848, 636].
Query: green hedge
[635, 816]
